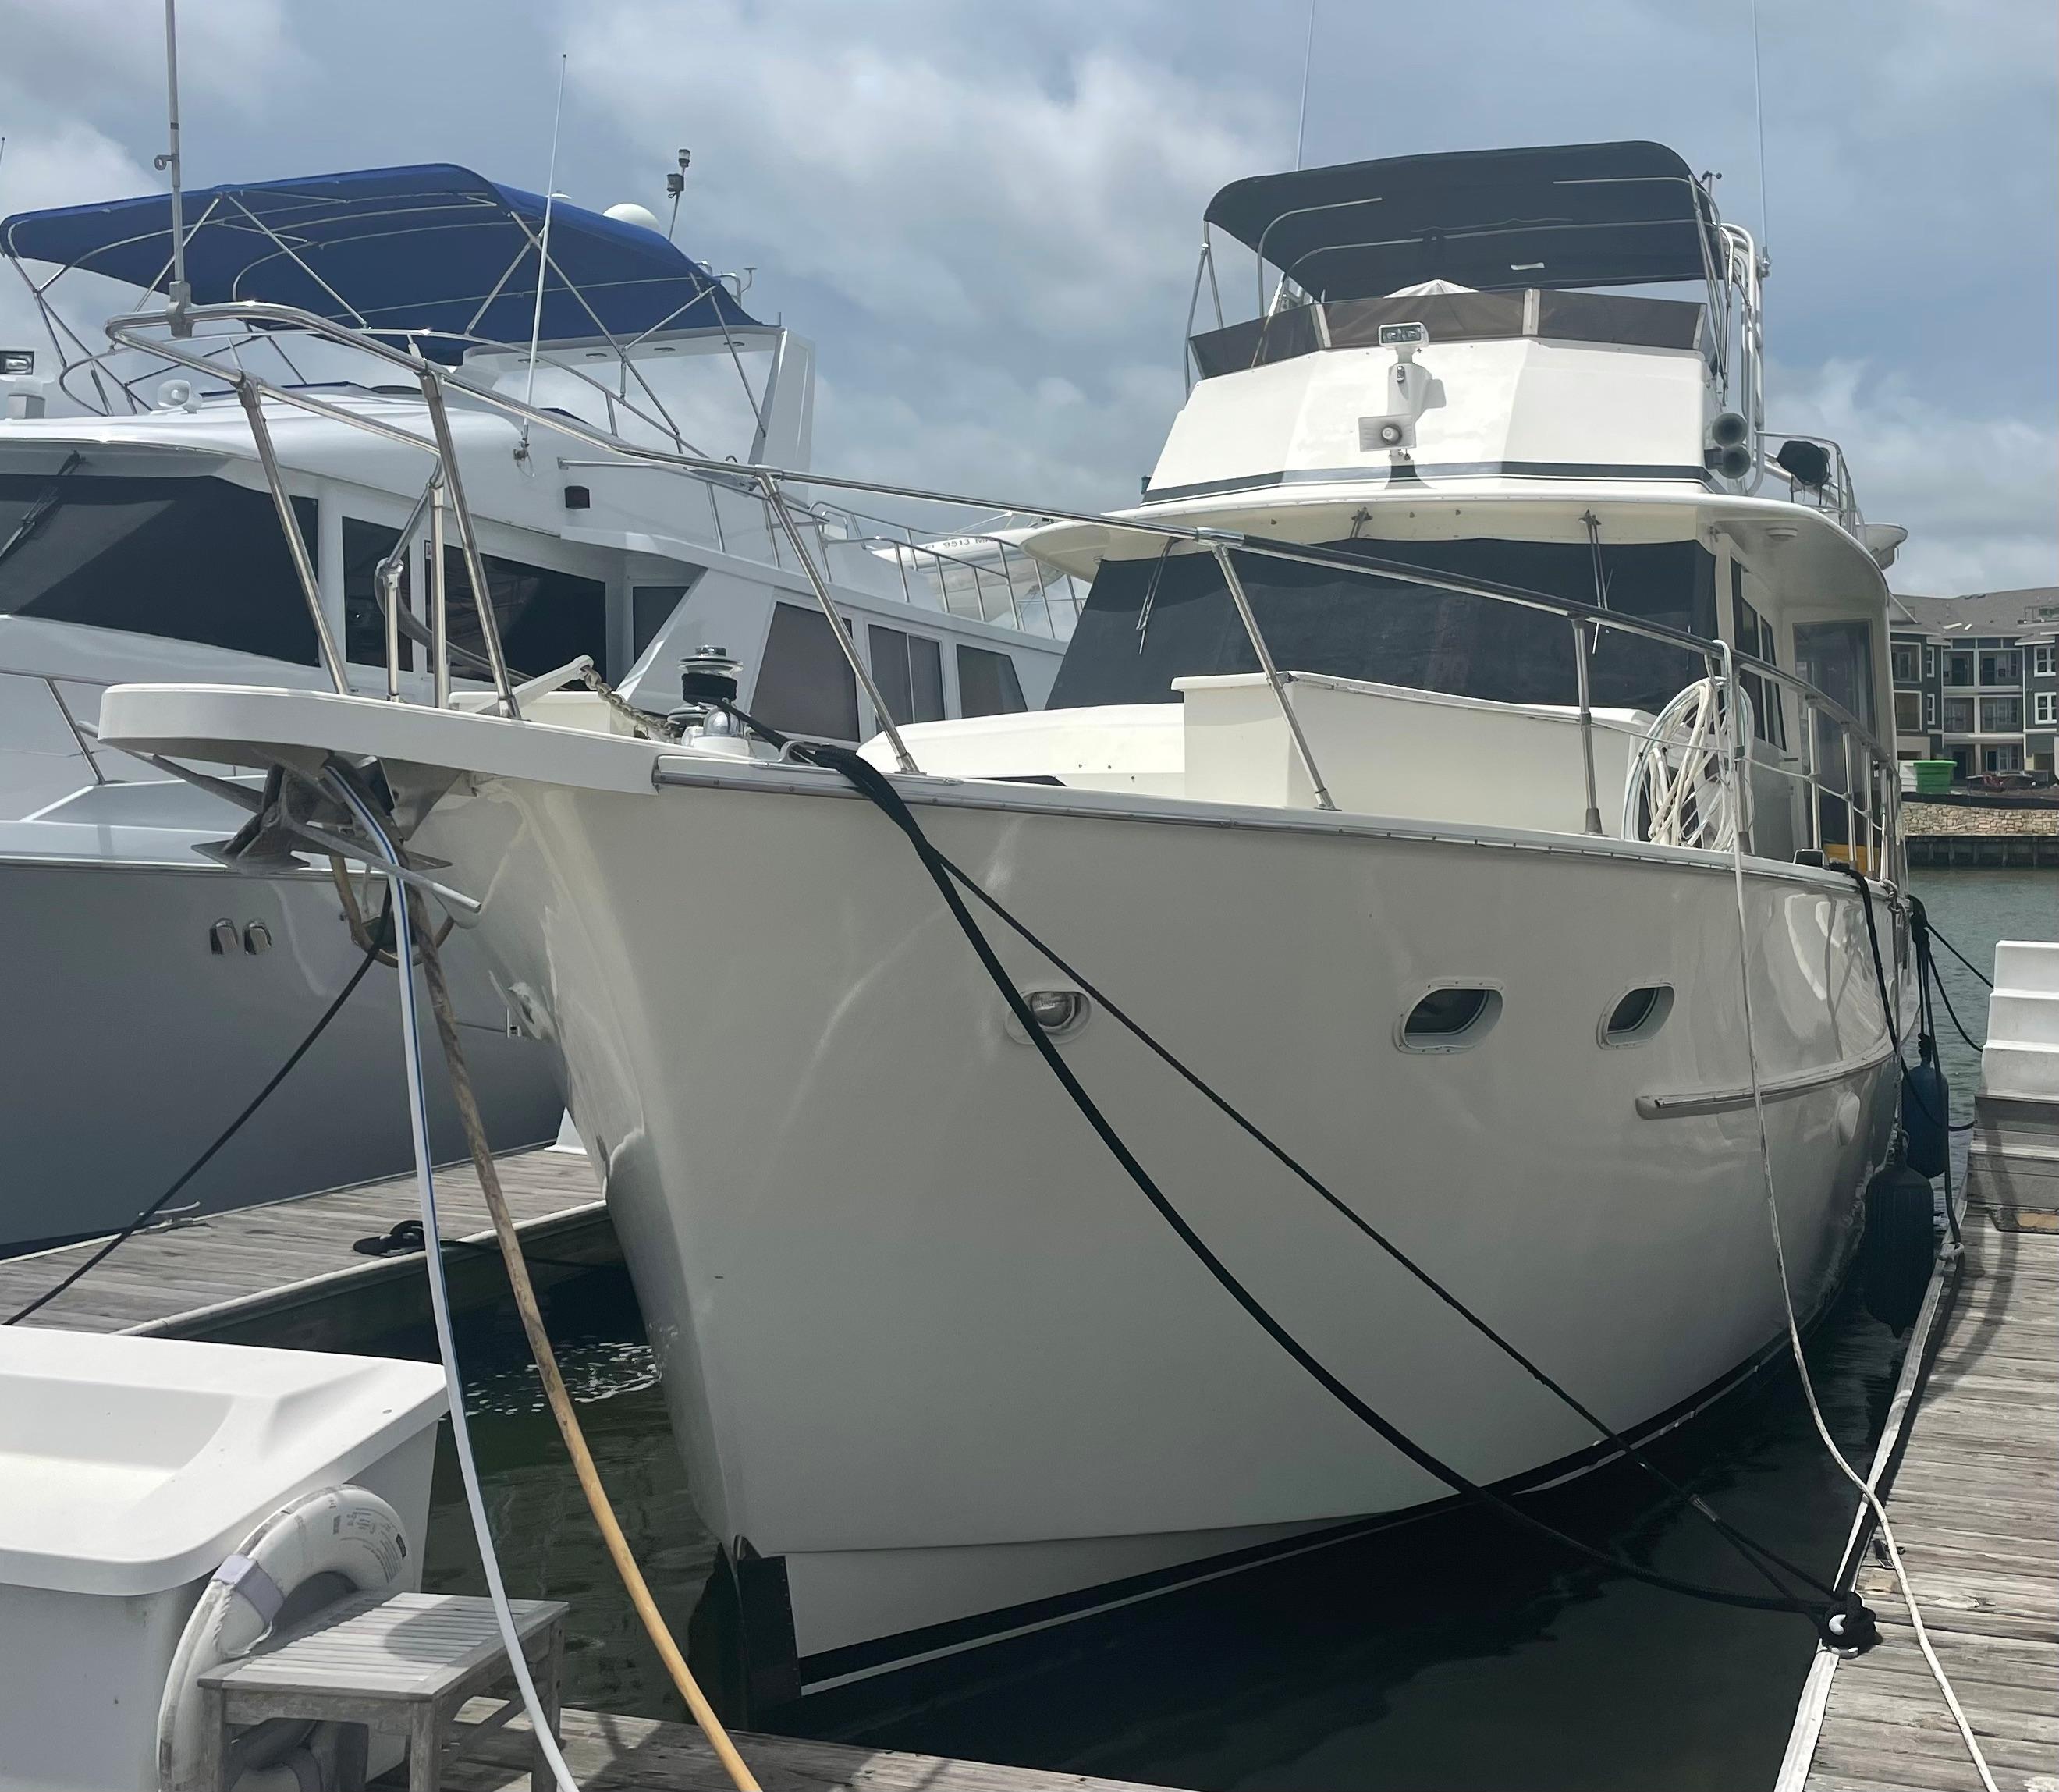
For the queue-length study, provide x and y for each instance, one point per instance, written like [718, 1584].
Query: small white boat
[1389, 782]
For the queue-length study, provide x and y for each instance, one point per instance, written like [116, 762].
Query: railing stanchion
[776, 506]
[1814, 785]
[1594, 816]
[1220, 549]
[440, 610]
[467, 538]
[304, 567]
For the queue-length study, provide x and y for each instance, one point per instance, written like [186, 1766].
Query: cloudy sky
[987, 212]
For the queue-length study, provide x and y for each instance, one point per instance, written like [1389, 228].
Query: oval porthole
[1450, 1018]
[1637, 1014]
[1059, 1013]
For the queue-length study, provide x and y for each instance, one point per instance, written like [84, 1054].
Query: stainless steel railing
[1846, 779]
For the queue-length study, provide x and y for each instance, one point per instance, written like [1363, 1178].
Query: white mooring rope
[1733, 762]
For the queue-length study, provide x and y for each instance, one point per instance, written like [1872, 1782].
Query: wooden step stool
[400, 1664]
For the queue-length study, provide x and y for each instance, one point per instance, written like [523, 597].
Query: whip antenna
[1758, 119]
[543, 255]
[1307, 58]
[179, 294]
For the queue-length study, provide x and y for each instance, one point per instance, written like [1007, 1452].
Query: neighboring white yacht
[1391, 781]
[153, 993]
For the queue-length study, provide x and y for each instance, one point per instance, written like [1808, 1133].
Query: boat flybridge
[1465, 765]
[139, 539]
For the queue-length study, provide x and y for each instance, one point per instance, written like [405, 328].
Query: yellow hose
[740, 1775]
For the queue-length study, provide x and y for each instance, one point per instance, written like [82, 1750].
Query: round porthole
[1637, 1014]
[1450, 1018]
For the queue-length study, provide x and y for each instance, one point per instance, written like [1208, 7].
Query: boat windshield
[1149, 622]
[194, 559]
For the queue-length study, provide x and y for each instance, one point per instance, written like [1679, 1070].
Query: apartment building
[1975, 680]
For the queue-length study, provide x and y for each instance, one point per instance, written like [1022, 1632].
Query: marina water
[1449, 1654]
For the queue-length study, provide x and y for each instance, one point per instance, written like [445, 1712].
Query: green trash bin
[1933, 777]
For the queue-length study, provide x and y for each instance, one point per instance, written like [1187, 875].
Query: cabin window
[1754, 636]
[651, 608]
[1837, 658]
[1144, 624]
[546, 617]
[188, 559]
[909, 670]
[365, 546]
[987, 684]
[804, 684]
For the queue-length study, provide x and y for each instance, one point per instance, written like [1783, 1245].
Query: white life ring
[342, 1531]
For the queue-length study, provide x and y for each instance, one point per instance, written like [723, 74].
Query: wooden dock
[1972, 1490]
[637, 1754]
[284, 1274]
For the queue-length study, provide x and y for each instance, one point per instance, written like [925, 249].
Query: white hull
[132, 1044]
[928, 1350]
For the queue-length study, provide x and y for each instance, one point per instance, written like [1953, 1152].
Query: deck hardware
[222, 939]
[257, 938]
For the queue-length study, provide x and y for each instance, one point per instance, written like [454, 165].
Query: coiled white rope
[1733, 761]
[1676, 794]
[411, 1041]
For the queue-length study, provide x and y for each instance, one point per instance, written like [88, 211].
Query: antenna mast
[1307, 58]
[543, 257]
[180, 295]
[675, 184]
[1758, 119]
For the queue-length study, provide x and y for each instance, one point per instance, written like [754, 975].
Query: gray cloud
[986, 215]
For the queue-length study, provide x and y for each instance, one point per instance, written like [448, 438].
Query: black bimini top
[1577, 215]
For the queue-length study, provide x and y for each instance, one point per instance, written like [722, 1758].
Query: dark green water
[1450, 1655]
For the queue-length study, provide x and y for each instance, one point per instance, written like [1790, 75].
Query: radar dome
[629, 212]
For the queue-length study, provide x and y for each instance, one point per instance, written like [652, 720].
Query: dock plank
[641, 1754]
[285, 1273]
[1974, 1502]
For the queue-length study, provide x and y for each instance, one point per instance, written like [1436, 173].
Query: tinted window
[195, 560]
[365, 546]
[805, 686]
[651, 608]
[1754, 636]
[546, 617]
[1144, 624]
[1837, 658]
[987, 684]
[909, 670]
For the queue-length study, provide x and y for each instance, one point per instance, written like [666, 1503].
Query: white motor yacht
[155, 991]
[1467, 762]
